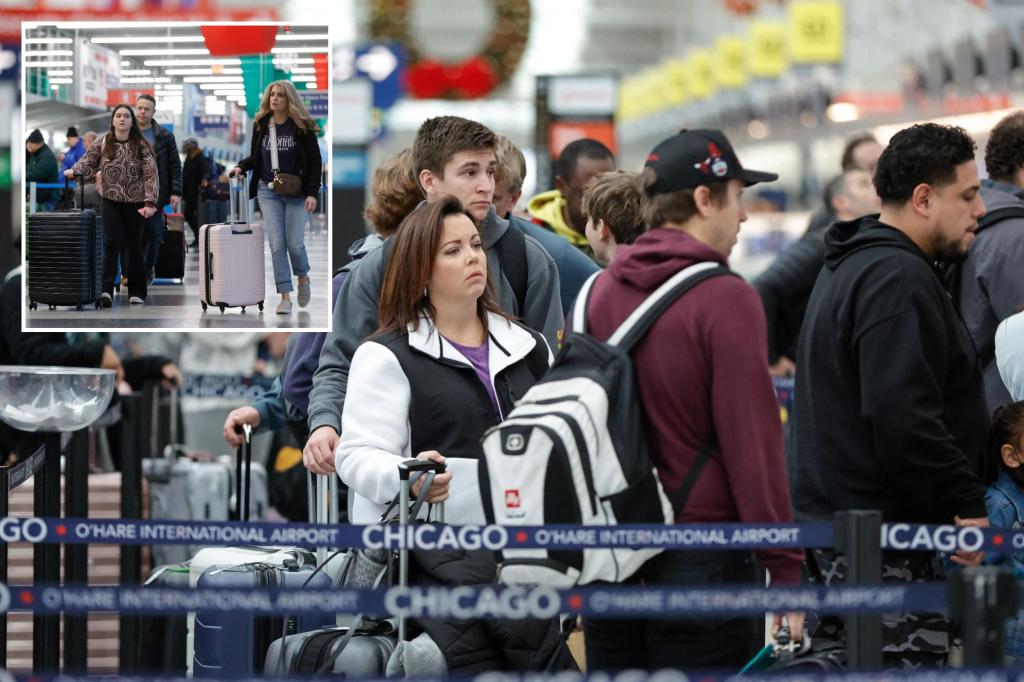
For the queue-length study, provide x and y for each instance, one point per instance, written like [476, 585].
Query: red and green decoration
[472, 78]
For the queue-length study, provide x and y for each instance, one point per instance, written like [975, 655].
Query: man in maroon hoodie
[703, 379]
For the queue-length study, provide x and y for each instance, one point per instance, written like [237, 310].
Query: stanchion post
[46, 561]
[858, 537]
[136, 410]
[982, 598]
[4, 511]
[76, 506]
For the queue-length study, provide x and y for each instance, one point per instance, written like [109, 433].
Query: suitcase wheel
[261, 306]
[204, 306]
[221, 308]
[32, 305]
[243, 309]
[79, 307]
[98, 305]
[53, 307]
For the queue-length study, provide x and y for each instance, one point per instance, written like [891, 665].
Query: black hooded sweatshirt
[889, 402]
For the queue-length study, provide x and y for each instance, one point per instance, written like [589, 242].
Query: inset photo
[176, 176]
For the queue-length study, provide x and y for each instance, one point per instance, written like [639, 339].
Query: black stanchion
[135, 411]
[46, 561]
[4, 511]
[76, 505]
[982, 598]
[858, 535]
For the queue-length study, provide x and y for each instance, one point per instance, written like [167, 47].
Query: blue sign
[209, 123]
[10, 61]
[316, 102]
[349, 168]
[384, 65]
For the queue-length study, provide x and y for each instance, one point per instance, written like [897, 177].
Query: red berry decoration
[472, 78]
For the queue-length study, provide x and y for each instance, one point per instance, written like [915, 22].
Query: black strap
[652, 315]
[511, 249]
[1000, 214]
[679, 496]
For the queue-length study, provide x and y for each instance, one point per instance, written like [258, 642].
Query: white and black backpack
[573, 451]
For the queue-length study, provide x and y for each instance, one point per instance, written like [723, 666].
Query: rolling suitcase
[162, 637]
[170, 259]
[65, 257]
[236, 643]
[364, 647]
[198, 639]
[231, 265]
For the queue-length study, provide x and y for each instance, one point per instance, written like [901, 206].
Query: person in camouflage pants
[909, 640]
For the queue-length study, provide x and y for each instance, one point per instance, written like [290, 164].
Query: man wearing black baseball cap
[712, 416]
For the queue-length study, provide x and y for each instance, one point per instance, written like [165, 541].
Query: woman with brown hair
[445, 365]
[129, 194]
[285, 160]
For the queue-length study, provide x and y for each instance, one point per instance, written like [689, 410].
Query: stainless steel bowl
[54, 398]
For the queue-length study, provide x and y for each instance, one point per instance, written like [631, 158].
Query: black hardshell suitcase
[170, 259]
[65, 258]
[162, 638]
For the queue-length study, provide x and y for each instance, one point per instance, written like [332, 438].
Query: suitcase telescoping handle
[81, 189]
[409, 471]
[322, 505]
[243, 477]
[237, 190]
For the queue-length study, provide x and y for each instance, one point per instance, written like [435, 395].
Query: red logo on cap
[653, 157]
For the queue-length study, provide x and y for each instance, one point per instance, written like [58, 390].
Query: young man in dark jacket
[992, 280]
[703, 381]
[890, 407]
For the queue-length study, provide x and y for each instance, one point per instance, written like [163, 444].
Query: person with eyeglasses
[561, 210]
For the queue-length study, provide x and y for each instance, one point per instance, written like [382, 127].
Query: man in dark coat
[41, 166]
[889, 400]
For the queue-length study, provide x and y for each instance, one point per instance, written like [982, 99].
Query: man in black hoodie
[890, 404]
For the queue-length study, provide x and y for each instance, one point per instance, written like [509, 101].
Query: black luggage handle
[243, 481]
[410, 466]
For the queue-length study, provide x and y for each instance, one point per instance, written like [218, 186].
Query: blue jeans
[284, 223]
[153, 234]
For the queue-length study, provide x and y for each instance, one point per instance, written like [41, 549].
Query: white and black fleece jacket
[414, 392]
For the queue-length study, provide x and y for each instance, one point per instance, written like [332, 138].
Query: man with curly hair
[991, 284]
[889, 400]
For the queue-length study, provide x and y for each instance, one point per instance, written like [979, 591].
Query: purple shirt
[478, 358]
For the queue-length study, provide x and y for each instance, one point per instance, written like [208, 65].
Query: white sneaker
[284, 308]
[135, 300]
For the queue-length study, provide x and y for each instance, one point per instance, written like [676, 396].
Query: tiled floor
[172, 304]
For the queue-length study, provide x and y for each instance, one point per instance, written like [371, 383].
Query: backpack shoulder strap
[579, 309]
[1000, 214]
[512, 257]
[641, 319]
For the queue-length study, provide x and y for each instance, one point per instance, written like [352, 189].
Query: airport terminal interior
[445, 338]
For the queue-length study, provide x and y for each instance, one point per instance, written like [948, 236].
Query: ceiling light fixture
[192, 62]
[146, 40]
[167, 52]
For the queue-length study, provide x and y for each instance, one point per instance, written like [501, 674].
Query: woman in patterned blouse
[128, 197]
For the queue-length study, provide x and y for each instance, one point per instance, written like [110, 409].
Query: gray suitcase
[364, 647]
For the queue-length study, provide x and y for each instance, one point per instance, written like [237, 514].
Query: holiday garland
[474, 77]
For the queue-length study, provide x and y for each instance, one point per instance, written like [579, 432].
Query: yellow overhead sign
[730, 62]
[675, 82]
[701, 77]
[766, 49]
[816, 32]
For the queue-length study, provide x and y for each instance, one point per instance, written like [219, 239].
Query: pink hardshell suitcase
[231, 265]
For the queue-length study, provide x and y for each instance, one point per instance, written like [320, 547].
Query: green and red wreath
[474, 77]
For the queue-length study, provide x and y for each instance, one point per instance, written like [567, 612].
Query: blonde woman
[283, 200]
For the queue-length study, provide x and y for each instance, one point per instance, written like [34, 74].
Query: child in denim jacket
[1005, 499]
